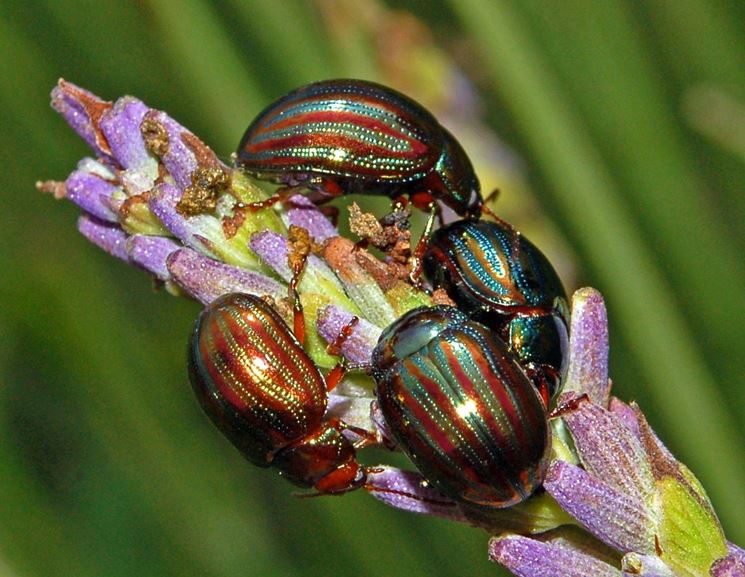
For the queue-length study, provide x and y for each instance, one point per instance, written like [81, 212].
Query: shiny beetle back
[498, 277]
[359, 137]
[461, 407]
[253, 378]
[474, 260]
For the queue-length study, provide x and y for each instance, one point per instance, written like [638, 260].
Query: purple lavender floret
[206, 279]
[615, 501]
[92, 192]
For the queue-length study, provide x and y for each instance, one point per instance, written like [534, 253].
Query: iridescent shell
[353, 136]
[262, 391]
[462, 408]
[498, 277]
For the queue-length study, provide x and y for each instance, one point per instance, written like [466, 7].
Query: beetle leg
[300, 245]
[361, 367]
[337, 373]
[539, 378]
[421, 246]
[366, 438]
[422, 199]
[569, 406]
[399, 203]
[280, 195]
[493, 195]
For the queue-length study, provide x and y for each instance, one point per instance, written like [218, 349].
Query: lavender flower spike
[615, 501]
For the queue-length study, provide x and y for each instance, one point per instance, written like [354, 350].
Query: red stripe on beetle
[457, 426]
[487, 415]
[445, 449]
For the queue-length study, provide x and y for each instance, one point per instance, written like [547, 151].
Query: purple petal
[635, 565]
[302, 212]
[273, 249]
[736, 552]
[121, 127]
[206, 279]
[622, 521]
[530, 558]
[662, 460]
[574, 537]
[162, 203]
[354, 411]
[409, 491]
[82, 110]
[92, 193]
[185, 152]
[588, 347]
[151, 253]
[358, 347]
[730, 566]
[609, 451]
[106, 235]
[626, 414]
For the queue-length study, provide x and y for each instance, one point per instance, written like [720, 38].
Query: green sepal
[315, 345]
[139, 219]
[562, 445]
[246, 190]
[404, 297]
[235, 250]
[370, 299]
[320, 282]
[536, 515]
[690, 535]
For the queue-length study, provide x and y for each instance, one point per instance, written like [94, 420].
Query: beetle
[343, 136]
[498, 277]
[461, 407]
[257, 384]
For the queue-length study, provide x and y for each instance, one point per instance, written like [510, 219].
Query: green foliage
[108, 466]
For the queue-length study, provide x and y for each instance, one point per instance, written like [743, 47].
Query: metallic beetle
[498, 277]
[260, 388]
[461, 407]
[351, 136]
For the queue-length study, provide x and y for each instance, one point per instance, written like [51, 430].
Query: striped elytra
[498, 277]
[265, 394]
[462, 408]
[352, 136]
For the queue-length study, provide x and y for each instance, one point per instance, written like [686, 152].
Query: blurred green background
[628, 120]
